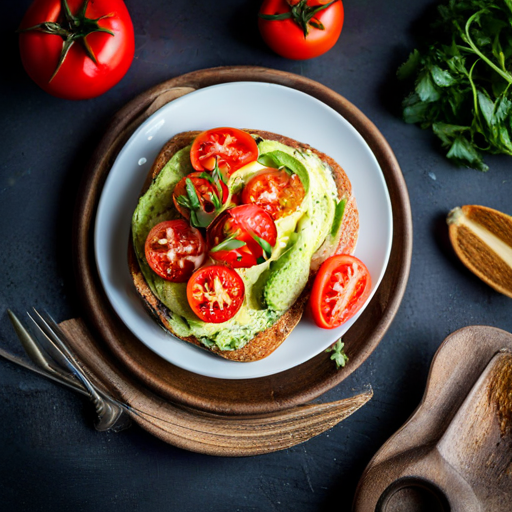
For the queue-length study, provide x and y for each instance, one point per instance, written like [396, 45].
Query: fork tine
[52, 330]
[109, 410]
[47, 355]
[40, 360]
[48, 331]
[31, 348]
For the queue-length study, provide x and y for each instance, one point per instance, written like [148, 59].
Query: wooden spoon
[455, 452]
[482, 239]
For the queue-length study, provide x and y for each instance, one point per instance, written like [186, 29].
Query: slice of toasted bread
[265, 342]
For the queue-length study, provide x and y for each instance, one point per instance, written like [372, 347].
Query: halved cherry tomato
[341, 287]
[174, 249]
[232, 148]
[275, 190]
[215, 293]
[242, 236]
[199, 197]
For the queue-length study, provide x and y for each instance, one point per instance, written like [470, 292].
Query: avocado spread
[270, 287]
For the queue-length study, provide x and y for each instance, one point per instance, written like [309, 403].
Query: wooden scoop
[482, 238]
[455, 452]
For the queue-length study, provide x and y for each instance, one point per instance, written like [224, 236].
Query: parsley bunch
[462, 80]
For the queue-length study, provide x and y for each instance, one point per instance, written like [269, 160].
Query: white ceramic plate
[252, 105]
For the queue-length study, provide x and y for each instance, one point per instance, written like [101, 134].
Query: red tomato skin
[196, 179]
[245, 139]
[274, 190]
[286, 37]
[232, 282]
[321, 284]
[183, 232]
[243, 217]
[79, 77]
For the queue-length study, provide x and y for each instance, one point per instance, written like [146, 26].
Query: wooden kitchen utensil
[455, 452]
[482, 239]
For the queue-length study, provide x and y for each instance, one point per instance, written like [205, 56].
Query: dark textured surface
[51, 458]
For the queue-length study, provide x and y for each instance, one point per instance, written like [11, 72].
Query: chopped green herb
[229, 243]
[183, 201]
[267, 248]
[338, 354]
[338, 216]
[192, 195]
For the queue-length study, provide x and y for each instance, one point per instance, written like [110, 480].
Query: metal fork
[53, 359]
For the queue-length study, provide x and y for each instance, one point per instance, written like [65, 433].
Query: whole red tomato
[301, 29]
[76, 49]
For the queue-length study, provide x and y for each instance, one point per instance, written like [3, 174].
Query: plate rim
[258, 371]
[285, 391]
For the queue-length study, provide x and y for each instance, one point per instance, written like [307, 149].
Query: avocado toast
[277, 290]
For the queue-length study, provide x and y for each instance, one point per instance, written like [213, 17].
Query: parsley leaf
[338, 354]
[460, 80]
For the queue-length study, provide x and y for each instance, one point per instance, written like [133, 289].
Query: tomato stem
[302, 14]
[71, 28]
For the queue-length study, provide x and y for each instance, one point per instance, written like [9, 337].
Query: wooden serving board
[251, 396]
[455, 452]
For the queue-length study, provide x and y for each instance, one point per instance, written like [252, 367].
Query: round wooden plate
[251, 396]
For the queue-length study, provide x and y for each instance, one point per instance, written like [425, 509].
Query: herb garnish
[199, 217]
[462, 80]
[230, 243]
[338, 354]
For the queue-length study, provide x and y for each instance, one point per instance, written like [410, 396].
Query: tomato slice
[174, 249]
[230, 147]
[199, 197]
[341, 287]
[242, 236]
[215, 293]
[275, 190]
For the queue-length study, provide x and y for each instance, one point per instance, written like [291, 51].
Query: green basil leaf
[277, 159]
[193, 219]
[338, 216]
[228, 245]
[207, 176]
[192, 195]
[204, 219]
[183, 201]
[218, 175]
[267, 248]
[215, 201]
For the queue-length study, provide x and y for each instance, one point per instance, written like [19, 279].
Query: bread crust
[265, 342]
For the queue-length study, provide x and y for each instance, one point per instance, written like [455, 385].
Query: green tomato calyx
[72, 28]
